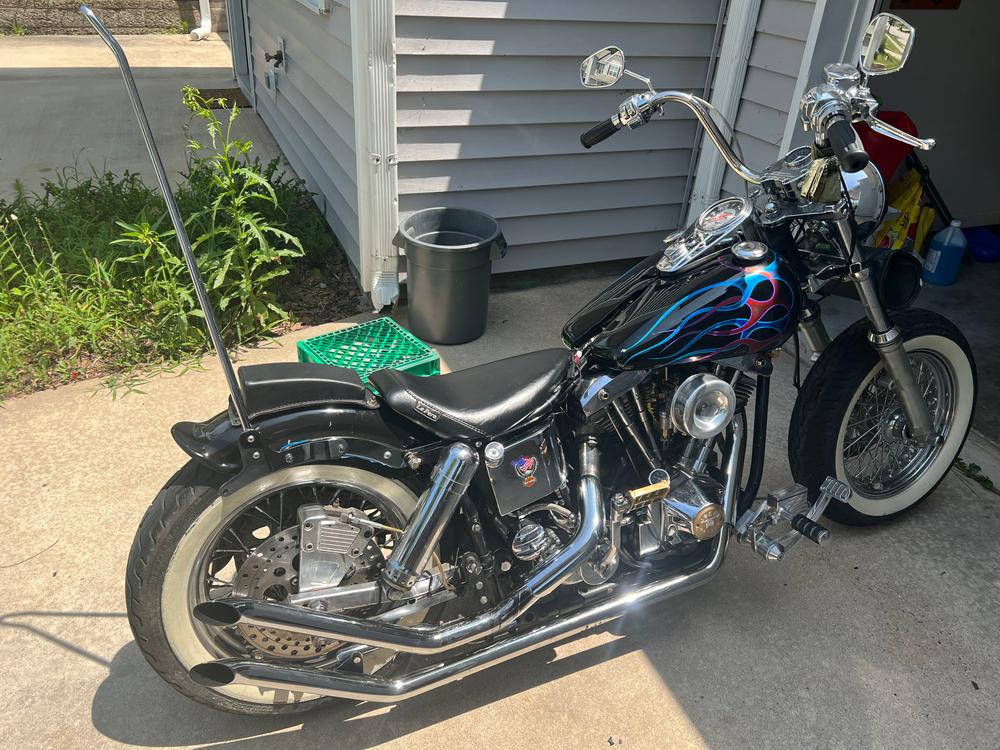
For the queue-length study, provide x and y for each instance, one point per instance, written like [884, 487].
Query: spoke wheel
[879, 454]
[194, 545]
[848, 422]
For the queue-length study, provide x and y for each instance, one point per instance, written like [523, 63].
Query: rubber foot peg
[810, 529]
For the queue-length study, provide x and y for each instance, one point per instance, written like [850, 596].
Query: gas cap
[750, 251]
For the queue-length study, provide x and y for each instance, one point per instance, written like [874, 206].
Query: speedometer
[719, 221]
[724, 216]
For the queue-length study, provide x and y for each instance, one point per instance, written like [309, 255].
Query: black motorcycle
[323, 528]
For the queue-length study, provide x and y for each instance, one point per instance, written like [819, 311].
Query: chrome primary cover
[718, 222]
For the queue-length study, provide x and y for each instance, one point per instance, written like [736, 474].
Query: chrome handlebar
[846, 96]
[637, 109]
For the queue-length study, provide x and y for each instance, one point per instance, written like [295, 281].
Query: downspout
[374, 40]
[706, 93]
[205, 28]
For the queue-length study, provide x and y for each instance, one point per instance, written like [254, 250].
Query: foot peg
[776, 522]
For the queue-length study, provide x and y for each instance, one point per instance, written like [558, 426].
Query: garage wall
[490, 110]
[949, 88]
[310, 110]
[769, 88]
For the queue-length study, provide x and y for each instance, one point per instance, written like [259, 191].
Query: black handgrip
[846, 146]
[810, 529]
[601, 131]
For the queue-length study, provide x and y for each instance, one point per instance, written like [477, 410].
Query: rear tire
[162, 572]
[846, 413]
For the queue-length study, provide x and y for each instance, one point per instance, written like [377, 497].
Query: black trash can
[448, 257]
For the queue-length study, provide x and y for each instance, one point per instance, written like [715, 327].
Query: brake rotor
[271, 574]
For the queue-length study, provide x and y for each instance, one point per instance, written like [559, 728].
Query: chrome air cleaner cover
[717, 223]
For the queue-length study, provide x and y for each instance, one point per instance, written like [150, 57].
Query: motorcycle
[322, 528]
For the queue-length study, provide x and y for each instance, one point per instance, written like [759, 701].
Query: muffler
[541, 582]
[388, 690]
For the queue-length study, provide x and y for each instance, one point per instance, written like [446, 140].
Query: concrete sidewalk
[889, 637]
[64, 104]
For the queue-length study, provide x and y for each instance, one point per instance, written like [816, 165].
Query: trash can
[448, 258]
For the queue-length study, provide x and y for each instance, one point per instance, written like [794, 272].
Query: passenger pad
[283, 386]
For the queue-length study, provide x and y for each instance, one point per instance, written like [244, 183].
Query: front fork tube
[888, 342]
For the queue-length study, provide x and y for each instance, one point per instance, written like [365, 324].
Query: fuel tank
[716, 309]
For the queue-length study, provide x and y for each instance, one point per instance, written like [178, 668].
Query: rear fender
[308, 436]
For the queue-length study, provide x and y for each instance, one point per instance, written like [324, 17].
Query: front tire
[847, 421]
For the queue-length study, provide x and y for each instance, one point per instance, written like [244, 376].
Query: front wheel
[848, 422]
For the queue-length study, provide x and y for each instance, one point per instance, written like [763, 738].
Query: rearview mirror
[886, 45]
[603, 68]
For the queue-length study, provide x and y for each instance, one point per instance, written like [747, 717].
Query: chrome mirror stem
[636, 76]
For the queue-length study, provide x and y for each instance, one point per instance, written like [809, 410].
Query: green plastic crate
[376, 345]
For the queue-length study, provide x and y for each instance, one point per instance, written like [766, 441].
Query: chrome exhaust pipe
[389, 690]
[417, 640]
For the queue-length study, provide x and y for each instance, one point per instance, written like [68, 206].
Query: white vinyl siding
[490, 111]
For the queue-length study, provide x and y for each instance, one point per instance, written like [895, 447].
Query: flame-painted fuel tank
[714, 310]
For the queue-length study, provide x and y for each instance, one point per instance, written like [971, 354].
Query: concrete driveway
[889, 637]
[64, 104]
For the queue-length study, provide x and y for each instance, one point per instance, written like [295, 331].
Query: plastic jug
[945, 255]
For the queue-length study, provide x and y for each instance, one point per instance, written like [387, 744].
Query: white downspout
[205, 28]
[373, 37]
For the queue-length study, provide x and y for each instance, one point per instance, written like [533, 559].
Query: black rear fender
[295, 437]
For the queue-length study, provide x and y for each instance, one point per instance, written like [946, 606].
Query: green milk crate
[376, 345]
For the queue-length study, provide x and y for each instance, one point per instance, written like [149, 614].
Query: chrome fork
[888, 342]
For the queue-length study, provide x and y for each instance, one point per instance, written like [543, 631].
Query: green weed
[92, 280]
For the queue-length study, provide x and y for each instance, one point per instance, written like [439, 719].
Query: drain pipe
[203, 30]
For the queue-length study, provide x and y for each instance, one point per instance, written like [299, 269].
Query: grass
[181, 27]
[14, 28]
[92, 281]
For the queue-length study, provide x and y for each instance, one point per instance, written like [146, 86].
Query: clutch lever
[884, 128]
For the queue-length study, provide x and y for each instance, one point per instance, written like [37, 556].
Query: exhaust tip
[219, 614]
[212, 674]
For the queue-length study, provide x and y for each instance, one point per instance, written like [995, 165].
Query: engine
[666, 429]
[659, 435]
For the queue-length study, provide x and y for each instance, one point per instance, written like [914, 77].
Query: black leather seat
[282, 386]
[480, 402]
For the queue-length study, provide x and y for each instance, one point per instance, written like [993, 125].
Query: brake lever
[884, 128]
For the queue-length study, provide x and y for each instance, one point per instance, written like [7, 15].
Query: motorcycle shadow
[133, 705]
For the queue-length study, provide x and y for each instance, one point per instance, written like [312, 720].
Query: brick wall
[121, 16]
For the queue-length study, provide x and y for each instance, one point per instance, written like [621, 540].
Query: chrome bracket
[772, 525]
